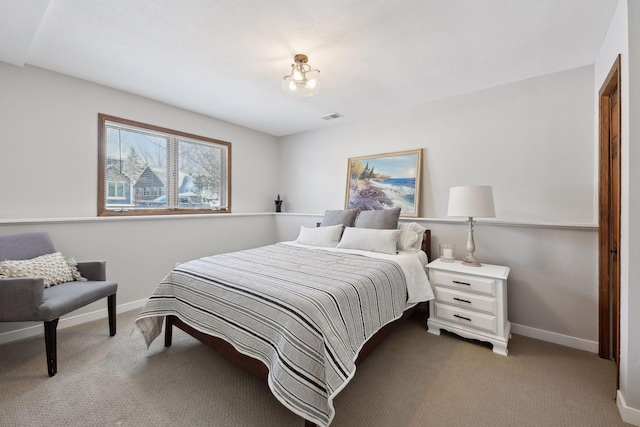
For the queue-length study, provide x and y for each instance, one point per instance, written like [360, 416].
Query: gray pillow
[382, 219]
[345, 217]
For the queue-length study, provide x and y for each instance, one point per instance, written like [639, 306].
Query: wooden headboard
[426, 244]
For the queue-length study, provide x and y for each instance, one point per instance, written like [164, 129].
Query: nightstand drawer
[466, 300]
[466, 317]
[464, 282]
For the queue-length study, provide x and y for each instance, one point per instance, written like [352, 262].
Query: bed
[299, 316]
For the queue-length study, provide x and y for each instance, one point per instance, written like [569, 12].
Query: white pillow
[411, 237]
[53, 268]
[370, 239]
[327, 237]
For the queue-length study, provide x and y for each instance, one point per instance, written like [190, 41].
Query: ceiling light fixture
[303, 80]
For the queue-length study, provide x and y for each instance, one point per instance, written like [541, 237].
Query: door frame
[609, 299]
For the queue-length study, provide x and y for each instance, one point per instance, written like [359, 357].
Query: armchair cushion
[66, 297]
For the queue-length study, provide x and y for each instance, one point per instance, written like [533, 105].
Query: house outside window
[149, 170]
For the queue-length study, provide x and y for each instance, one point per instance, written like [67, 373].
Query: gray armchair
[26, 298]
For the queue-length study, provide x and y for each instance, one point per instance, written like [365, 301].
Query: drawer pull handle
[461, 283]
[462, 317]
[462, 300]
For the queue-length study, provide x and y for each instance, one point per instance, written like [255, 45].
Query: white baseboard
[65, 322]
[629, 415]
[566, 340]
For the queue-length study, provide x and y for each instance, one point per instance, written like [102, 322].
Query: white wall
[623, 38]
[533, 142]
[631, 296]
[49, 144]
[48, 182]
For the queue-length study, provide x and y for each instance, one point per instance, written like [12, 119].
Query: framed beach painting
[385, 181]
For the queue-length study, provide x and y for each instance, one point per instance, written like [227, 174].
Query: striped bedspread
[305, 313]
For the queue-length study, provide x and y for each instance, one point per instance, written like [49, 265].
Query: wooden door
[609, 217]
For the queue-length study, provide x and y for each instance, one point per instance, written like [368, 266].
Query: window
[115, 190]
[148, 170]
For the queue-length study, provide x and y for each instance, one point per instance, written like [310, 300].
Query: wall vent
[331, 116]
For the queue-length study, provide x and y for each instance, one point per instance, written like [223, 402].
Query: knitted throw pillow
[53, 268]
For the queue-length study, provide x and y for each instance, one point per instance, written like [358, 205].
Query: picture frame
[385, 181]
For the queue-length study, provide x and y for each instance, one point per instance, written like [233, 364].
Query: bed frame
[258, 369]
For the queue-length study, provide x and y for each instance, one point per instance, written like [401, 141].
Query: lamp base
[470, 261]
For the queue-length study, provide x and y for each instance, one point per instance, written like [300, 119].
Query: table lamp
[471, 201]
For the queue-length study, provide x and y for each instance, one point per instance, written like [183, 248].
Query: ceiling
[226, 58]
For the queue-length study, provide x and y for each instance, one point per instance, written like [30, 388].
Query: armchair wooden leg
[51, 346]
[111, 308]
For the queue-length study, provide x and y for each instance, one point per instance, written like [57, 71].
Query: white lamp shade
[471, 201]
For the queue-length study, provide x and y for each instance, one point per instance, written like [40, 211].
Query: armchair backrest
[25, 245]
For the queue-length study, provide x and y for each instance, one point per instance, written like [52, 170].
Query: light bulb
[297, 75]
[311, 83]
[292, 85]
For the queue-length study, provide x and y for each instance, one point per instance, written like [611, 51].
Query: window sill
[69, 220]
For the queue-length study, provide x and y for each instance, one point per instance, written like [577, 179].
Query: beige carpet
[413, 379]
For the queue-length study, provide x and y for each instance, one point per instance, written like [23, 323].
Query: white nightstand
[470, 302]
